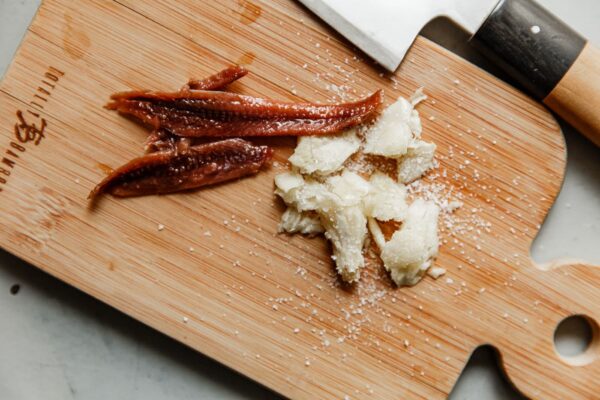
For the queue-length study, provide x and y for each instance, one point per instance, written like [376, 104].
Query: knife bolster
[531, 44]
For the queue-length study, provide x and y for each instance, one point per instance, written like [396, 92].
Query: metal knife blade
[385, 29]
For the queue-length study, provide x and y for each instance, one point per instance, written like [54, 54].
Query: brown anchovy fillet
[217, 81]
[249, 106]
[189, 124]
[196, 166]
[162, 140]
[198, 113]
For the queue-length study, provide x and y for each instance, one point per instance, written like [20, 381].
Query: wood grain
[268, 305]
[576, 97]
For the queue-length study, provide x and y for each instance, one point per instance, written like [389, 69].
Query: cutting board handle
[548, 58]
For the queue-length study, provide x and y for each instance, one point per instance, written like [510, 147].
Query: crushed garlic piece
[342, 205]
[294, 221]
[324, 155]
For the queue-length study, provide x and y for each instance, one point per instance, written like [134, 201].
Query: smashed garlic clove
[386, 200]
[395, 129]
[286, 182]
[303, 194]
[392, 133]
[324, 155]
[409, 252]
[376, 233]
[346, 229]
[436, 272]
[418, 160]
[349, 188]
[338, 203]
[294, 221]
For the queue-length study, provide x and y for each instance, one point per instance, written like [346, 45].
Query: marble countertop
[59, 343]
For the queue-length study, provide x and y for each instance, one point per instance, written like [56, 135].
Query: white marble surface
[57, 343]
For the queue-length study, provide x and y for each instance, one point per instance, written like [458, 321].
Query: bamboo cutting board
[217, 276]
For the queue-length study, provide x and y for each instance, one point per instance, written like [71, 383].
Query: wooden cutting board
[218, 277]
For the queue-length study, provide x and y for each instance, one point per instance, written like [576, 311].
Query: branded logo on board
[30, 126]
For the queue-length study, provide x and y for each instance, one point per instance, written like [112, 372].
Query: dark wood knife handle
[549, 59]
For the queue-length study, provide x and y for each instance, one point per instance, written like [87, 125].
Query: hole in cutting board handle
[576, 340]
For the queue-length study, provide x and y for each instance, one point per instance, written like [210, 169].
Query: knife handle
[549, 59]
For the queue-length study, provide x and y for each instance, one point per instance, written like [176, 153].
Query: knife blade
[548, 58]
[385, 29]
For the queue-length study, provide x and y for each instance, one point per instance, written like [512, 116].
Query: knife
[549, 59]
